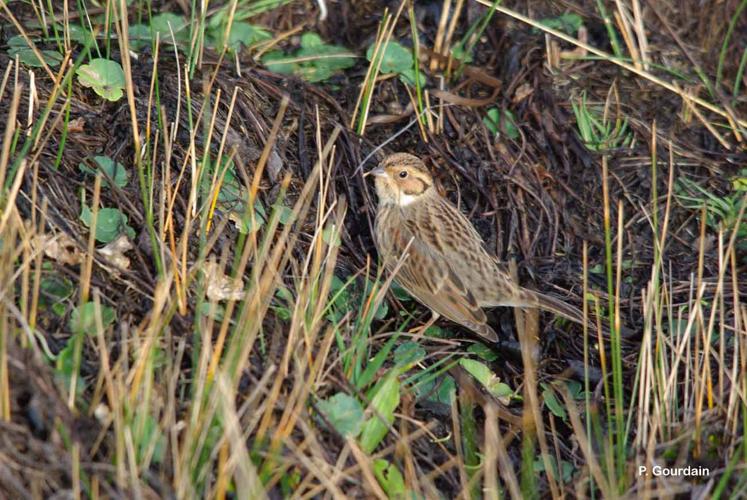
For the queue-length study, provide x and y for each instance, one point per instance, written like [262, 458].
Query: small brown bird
[445, 264]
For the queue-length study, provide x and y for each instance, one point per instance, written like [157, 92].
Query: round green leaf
[408, 76]
[331, 236]
[309, 40]
[315, 61]
[83, 318]
[277, 62]
[241, 33]
[498, 121]
[397, 58]
[285, 214]
[55, 289]
[17, 46]
[78, 34]
[344, 412]
[390, 478]
[409, 353]
[110, 223]
[104, 76]
[139, 35]
[400, 293]
[552, 403]
[167, 22]
[252, 221]
[111, 169]
[483, 351]
[568, 23]
[486, 377]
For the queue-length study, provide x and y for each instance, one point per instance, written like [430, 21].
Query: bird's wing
[429, 277]
[445, 230]
[460, 244]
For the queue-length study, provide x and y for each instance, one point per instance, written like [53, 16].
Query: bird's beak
[377, 172]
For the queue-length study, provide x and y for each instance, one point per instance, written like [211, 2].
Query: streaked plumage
[446, 267]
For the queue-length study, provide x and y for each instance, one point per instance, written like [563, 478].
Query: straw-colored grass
[214, 388]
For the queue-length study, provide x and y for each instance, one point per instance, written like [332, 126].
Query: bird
[437, 255]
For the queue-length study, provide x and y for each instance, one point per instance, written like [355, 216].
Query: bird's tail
[572, 313]
[557, 306]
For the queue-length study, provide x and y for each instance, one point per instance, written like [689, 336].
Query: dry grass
[220, 349]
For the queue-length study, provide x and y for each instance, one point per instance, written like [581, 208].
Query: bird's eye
[403, 174]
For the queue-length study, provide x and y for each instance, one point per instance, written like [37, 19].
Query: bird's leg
[420, 330]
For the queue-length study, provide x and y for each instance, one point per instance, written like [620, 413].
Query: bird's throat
[405, 200]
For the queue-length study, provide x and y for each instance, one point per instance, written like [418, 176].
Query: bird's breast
[392, 235]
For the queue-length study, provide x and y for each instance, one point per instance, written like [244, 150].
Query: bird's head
[402, 179]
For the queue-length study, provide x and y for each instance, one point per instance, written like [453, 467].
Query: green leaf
[399, 60]
[400, 293]
[315, 61]
[55, 290]
[325, 60]
[575, 389]
[552, 403]
[487, 378]
[65, 368]
[289, 483]
[501, 121]
[566, 468]
[285, 214]
[436, 331]
[112, 170]
[78, 34]
[17, 46]
[311, 41]
[381, 311]
[396, 58]
[459, 52]
[284, 293]
[370, 289]
[165, 23]
[446, 391]
[374, 364]
[278, 62]
[241, 34]
[147, 434]
[597, 269]
[139, 35]
[390, 478]
[231, 189]
[253, 221]
[408, 354]
[739, 183]
[569, 23]
[341, 291]
[344, 412]
[408, 76]
[161, 25]
[441, 390]
[212, 310]
[482, 351]
[331, 235]
[384, 401]
[83, 319]
[110, 223]
[283, 313]
[231, 194]
[341, 297]
[104, 76]
[599, 133]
